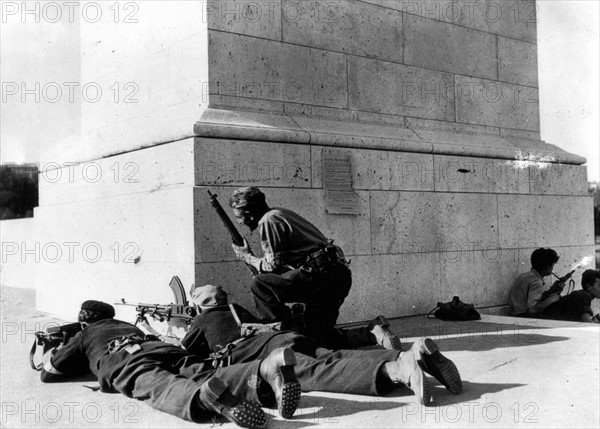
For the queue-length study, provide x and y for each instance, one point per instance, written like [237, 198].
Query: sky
[568, 62]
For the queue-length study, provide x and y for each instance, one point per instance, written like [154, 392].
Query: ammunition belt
[129, 340]
[325, 257]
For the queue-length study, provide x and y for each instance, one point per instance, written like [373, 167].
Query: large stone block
[517, 62]
[243, 163]
[428, 124]
[233, 276]
[134, 87]
[462, 174]
[158, 167]
[467, 143]
[127, 251]
[400, 89]
[345, 26]
[440, 10]
[257, 19]
[361, 135]
[514, 19]
[545, 220]
[16, 237]
[392, 285]
[482, 275]
[213, 244]
[558, 179]
[488, 102]
[248, 67]
[409, 222]
[443, 46]
[383, 170]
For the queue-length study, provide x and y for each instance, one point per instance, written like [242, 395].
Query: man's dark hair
[588, 278]
[541, 258]
[248, 199]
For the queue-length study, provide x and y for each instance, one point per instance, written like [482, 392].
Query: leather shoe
[278, 370]
[216, 396]
[438, 365]
[379, 327]
[407, 370]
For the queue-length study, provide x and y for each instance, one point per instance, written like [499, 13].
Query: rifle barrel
[235, 235]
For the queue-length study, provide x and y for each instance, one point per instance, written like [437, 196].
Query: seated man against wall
[577, 306]
[220, 331]
[300, 265]
[525, 298]
[167, 377]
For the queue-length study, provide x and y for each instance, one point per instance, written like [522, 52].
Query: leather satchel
[455, 310]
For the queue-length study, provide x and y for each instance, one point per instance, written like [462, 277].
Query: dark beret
[100, 307]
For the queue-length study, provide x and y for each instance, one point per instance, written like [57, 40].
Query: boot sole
[394, 340]
[422, 389]
[439, 366]
[245, 413]
[291, 392]
[382, 321]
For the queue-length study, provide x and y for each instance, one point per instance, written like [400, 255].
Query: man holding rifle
[300, 264]
[528, 296]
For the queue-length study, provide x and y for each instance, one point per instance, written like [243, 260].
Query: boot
[379, 328]
[406, 370]
[216, 397]
[442, 368]
[278, 370]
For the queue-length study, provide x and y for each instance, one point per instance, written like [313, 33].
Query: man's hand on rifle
[558, 286]
[244, 253]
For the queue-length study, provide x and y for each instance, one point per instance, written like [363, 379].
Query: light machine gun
[181, 310]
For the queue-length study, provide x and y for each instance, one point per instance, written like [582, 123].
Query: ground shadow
[490, 342]
[472, 392]
[323, 410]
[479, 336]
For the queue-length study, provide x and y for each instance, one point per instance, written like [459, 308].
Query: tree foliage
[18, 190]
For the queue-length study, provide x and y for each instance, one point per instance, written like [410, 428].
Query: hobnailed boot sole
[291, 391]
[439, 366]
[244, 413]
[384, 324]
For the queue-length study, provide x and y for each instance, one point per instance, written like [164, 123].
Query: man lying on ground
[167, 377]
[220, 331]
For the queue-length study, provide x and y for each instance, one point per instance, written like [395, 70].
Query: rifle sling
[39, 366]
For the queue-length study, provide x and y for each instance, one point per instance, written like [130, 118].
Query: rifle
[53, 337]
[236, 237]
[557, 286]
[164, 312]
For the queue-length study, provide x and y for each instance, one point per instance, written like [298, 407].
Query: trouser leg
[323, 293]
[149, 380]
[270, 292]
[321, 314]
[242, 379]
[340, 374]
